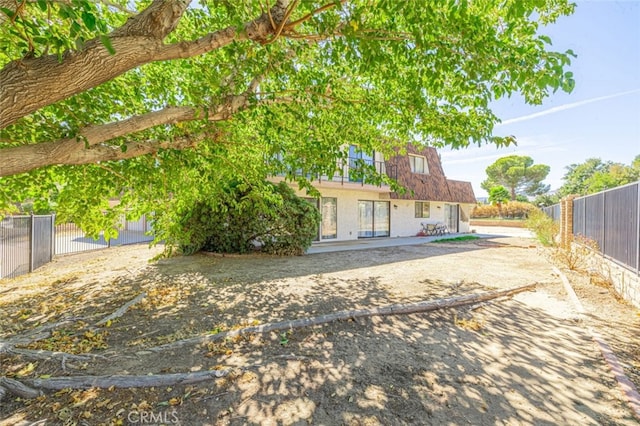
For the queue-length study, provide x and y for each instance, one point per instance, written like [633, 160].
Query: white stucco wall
[348, 210]
[403, 222]
[465, 225]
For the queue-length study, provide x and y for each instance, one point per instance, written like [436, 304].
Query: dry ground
[526, 360]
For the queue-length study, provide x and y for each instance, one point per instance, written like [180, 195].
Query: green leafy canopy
[222, 91]
[518, 175]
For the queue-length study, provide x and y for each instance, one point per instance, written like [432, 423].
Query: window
[423, 209]
[418, 164]
[358, 162]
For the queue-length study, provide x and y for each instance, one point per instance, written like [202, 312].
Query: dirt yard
[524, 360]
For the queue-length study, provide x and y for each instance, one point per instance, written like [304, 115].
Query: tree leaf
[89, 20]
[106, 41]
[42, 4]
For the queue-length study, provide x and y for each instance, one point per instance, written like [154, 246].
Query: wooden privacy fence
[611, 218]
[28, 242]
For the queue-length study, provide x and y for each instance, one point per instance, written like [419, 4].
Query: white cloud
[487, 154]
[564, 107]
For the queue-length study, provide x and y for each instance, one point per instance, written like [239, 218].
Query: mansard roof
[431, 186]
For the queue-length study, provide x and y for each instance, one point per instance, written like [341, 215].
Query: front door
[373, 219]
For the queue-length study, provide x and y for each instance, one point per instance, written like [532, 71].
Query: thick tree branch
[88, 146]
[23, 89]
[156, 21]
[71, 152]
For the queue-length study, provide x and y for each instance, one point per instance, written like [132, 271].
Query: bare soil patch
[528, 359]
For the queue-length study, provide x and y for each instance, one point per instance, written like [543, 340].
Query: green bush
[543, 226]
[246, 218]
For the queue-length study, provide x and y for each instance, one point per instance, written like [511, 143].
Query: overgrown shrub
[579, 253]
[543, 227]
[245, 218]
[511, 210]
[517, 209]
[485, 211]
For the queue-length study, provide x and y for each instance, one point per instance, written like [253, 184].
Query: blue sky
[600, 118]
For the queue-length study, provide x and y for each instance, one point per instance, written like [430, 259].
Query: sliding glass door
[329, 225]
[328, 207]
[373, 219]
[451, 217]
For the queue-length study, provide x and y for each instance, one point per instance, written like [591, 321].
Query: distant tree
[577, 176]
[635, 165]
[499, 195]
[518, 174]
[546, 200]
[594, 175]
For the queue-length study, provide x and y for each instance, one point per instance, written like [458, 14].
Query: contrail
[564, 107]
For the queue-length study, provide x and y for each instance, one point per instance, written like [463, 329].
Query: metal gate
[28, 242]
[15, 236]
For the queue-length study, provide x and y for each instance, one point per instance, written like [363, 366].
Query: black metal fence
[612, 219]
[28, 242]
[553, 212]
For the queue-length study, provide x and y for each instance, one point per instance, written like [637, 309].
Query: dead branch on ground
[398, 309]
[31, 388]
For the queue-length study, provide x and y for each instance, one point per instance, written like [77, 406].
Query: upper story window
[358, 160]
[418, 164]
[355, 153]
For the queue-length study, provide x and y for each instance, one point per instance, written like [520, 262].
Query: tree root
[31, 336]
[46, 355]
[31, 388]
[122, 310]
[398, 309]
[17, 388]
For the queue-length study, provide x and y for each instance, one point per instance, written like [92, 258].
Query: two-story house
[351, 208]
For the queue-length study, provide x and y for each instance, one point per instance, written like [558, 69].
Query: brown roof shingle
[433, 186]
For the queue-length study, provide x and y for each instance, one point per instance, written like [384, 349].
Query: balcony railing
[357, 170]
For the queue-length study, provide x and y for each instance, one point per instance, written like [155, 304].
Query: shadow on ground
[525, 360]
